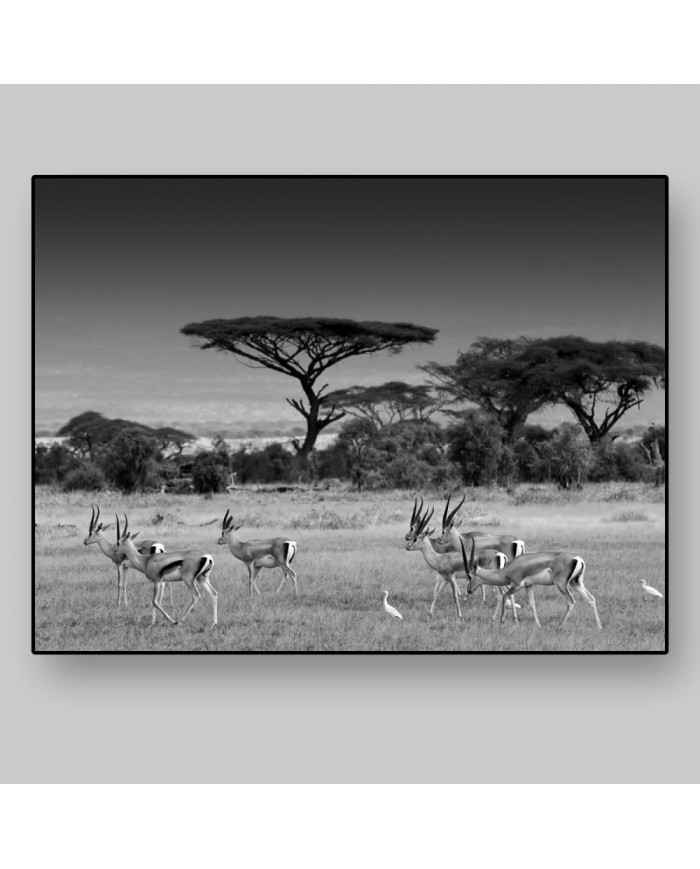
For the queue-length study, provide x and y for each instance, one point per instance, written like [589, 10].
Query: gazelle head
[123, 536]
[470, 566]
[95, 526]
[449, 522]
[227, 526]
[415, 516]
[420, 530]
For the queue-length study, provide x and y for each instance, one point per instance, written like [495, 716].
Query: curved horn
[97, 517]
[450, 519]
[424, 521]
[118, 531]
[415, 506]
[447, 507]
[223, 524]
[92, 519]
[126, 526]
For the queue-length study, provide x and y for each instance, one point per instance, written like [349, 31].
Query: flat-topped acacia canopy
[304, 347]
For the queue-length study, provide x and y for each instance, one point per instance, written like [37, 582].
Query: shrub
[208, 474]
[629, 516]
[130, 459]
[87, 477]
[568, 456]
[476, 444]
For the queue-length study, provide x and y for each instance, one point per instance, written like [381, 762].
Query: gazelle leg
[508, 595]
[531, 600]
[212, 592]
[157, 606]
[583, 591]
[194, 591]
[569, 604]
[439, 585]
[287, 571]
[254, 571]
[120, 582]
[455, 595]
[483, 593]
[498, 603]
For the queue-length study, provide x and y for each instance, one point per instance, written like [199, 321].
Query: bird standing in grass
[388, 608]
[650, 589]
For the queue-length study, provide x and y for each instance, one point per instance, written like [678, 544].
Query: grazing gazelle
[486, 557]
[560, 569]
[95, 535]
[256, 554]
[190, 566]
[488, 544]
[450, 541]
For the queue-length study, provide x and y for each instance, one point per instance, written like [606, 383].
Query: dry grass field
[351, 548]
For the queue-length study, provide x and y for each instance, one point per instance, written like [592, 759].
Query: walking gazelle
[96, 535]
[256, 554]
[190, 566]
[563, 570]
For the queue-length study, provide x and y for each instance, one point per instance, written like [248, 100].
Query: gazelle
[511, 546]
[488, 544]
[190, 566]
[445, 564]
[448, 565]
[95, 535]
[450, 540]
[256, 554]
[560, 569]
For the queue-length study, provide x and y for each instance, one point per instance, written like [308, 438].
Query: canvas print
[349, 414]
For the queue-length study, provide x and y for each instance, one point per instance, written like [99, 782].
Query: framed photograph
[350, 414]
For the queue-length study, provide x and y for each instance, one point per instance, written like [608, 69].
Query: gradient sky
[122, 264]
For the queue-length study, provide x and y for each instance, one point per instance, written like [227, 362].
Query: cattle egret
[388, 608]
[650, 589]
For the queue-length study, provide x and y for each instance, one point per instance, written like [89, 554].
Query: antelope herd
[498, 561]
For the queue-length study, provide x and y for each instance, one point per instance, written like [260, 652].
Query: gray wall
[313, 718]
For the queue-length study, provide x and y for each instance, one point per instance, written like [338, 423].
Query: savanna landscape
[350, 549]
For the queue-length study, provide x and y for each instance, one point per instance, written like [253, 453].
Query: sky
[122, 264]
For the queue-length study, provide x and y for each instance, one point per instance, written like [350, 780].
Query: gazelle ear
[135, 535]
[105, 527]
[237, 527]
[457, 522]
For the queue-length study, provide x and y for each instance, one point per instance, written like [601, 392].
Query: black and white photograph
[350, 413]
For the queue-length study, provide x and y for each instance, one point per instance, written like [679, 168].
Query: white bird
[650, 589]
[388, 608]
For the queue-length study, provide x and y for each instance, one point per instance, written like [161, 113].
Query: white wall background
[348, 718]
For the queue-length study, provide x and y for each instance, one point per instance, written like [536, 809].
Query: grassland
[350, 548]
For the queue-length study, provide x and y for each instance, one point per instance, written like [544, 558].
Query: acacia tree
[304, 348]
[387, 403]
[598, 381]
[501, 376]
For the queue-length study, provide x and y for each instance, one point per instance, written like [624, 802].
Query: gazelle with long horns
[190, 566]
[488, 546]
[96, 535]
[445, 564]
[256, 554]
[563, 570]
[450, 540]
